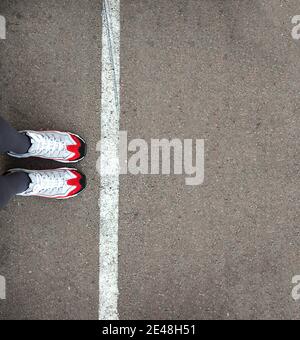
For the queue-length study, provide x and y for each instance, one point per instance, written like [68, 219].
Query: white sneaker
[61, 183]
[64, 147]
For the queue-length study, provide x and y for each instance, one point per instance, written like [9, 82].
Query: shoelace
[47, 145]
[46, 182]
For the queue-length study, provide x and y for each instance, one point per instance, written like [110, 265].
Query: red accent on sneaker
[75, 182]
[74, 149]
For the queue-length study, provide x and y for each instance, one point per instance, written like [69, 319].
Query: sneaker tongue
[30, 140]
[32, 181]
[31, 177]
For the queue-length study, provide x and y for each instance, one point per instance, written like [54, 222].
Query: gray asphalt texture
[223, 71]
[228, 72]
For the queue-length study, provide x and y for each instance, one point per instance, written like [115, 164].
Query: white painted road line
[109, 162]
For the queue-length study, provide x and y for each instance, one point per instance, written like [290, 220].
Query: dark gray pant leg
[11, 140]
[13, 184]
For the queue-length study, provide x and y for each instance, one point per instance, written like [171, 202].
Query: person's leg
[12, 140]
[11, 185]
